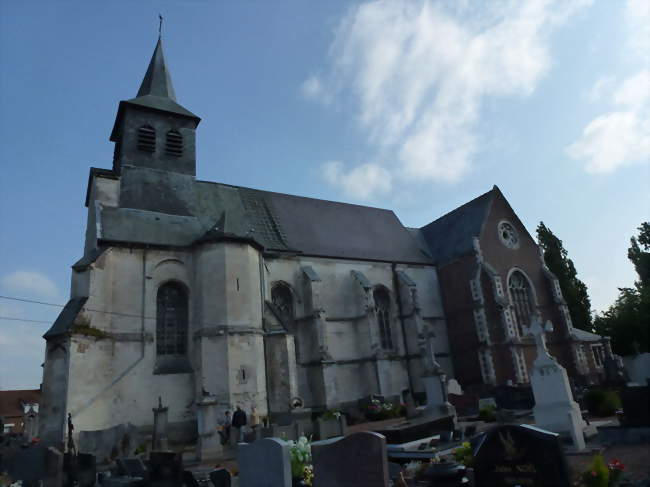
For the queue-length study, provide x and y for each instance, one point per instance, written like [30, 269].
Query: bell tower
[155, 145]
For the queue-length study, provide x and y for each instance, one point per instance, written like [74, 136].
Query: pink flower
[594, 474]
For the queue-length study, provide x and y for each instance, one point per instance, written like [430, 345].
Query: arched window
[171, 320]
[146, 138]
[520, 293]
[282, 299]
[382, 307]
[174, 144]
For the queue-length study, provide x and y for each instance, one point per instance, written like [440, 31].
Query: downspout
[401, 320]
[262, 308]
[142, 347]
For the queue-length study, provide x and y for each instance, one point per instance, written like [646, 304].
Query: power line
[9, 318]
[84, 308]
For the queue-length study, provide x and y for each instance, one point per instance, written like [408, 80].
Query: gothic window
[171, 320]
[598, 352]
[146, 138]
[508, 235]
[382, 307]
[282, 299]
[520, 294]
[174, 144]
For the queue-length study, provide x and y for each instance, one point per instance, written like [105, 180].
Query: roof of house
[451, 235]
[11, 401]
[586, 336]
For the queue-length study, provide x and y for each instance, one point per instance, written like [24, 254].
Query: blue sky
[417, 106]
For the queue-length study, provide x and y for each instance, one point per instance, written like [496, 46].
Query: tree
[573, 289]
[627, 321]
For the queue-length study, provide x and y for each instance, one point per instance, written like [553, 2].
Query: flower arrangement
[464, 454]
[600, 474]
[331, 414]
[300, 455]
[377, 410]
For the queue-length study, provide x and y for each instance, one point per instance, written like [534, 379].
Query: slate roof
[450, 236]
[275, 221]
[585, 336]
[66, 317]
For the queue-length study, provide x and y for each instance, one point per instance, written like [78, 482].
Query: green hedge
[602, 402]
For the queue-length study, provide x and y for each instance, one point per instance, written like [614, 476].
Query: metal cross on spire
[160, 17]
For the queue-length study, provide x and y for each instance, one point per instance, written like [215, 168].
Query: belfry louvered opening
[174, 145]
[146, 138]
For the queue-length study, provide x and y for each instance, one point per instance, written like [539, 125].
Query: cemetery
[507, 440]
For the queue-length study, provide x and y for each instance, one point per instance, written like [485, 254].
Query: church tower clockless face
[508, 235]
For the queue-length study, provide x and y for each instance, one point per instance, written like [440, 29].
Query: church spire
[157, 81]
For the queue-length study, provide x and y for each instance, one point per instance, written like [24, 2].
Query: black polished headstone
[133, 467]
[165, 469]
[636, 406]
[189, 480]
[359, 459]
[86, 470]
[511, 397]
[511, 455]
[221, 478]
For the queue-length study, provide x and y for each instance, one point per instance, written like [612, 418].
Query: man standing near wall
[238, 423]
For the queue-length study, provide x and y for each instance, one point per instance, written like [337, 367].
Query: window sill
[172, 365]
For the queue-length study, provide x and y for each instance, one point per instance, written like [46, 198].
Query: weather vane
[160, 25]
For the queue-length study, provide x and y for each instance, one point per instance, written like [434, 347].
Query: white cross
[537, 330]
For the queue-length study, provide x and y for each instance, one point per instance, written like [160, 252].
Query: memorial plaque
[513, 455]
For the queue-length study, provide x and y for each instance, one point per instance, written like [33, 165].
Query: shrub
[486, 413]
[597, 474]
[601, 402]
[464, 454]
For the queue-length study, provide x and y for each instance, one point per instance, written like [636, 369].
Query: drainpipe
[262, 303]
[401, 320]
[142, 347]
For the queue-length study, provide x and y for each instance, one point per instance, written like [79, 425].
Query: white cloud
[361, 182]
[637, 14]
[621, 136]
[31, 284]
[613, 140]
[601, 89]
[634, 91]
[312, 88]
[417, 73]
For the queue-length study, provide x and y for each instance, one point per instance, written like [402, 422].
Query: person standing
[238, 423]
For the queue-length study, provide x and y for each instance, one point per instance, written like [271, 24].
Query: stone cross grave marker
[264, 463]
[555, 410]
[359, 459]
[512, 455]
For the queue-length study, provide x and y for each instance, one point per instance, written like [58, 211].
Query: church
[261, 299]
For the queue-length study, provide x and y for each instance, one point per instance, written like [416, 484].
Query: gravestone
[209, 442]
[511, 397]
[409, 401]
[53, 468]
[132, 467]
[636, 406]
[86, 470]
[159, 440]
[465, 404]
[165, 469]
[453, 387]
[330, 428]
[189, 480]
[264, 463]
[555, 410]
[28, 465]
[512, 455]
[221, 478]
[355, 460]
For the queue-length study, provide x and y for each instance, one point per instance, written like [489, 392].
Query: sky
[414, 105]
